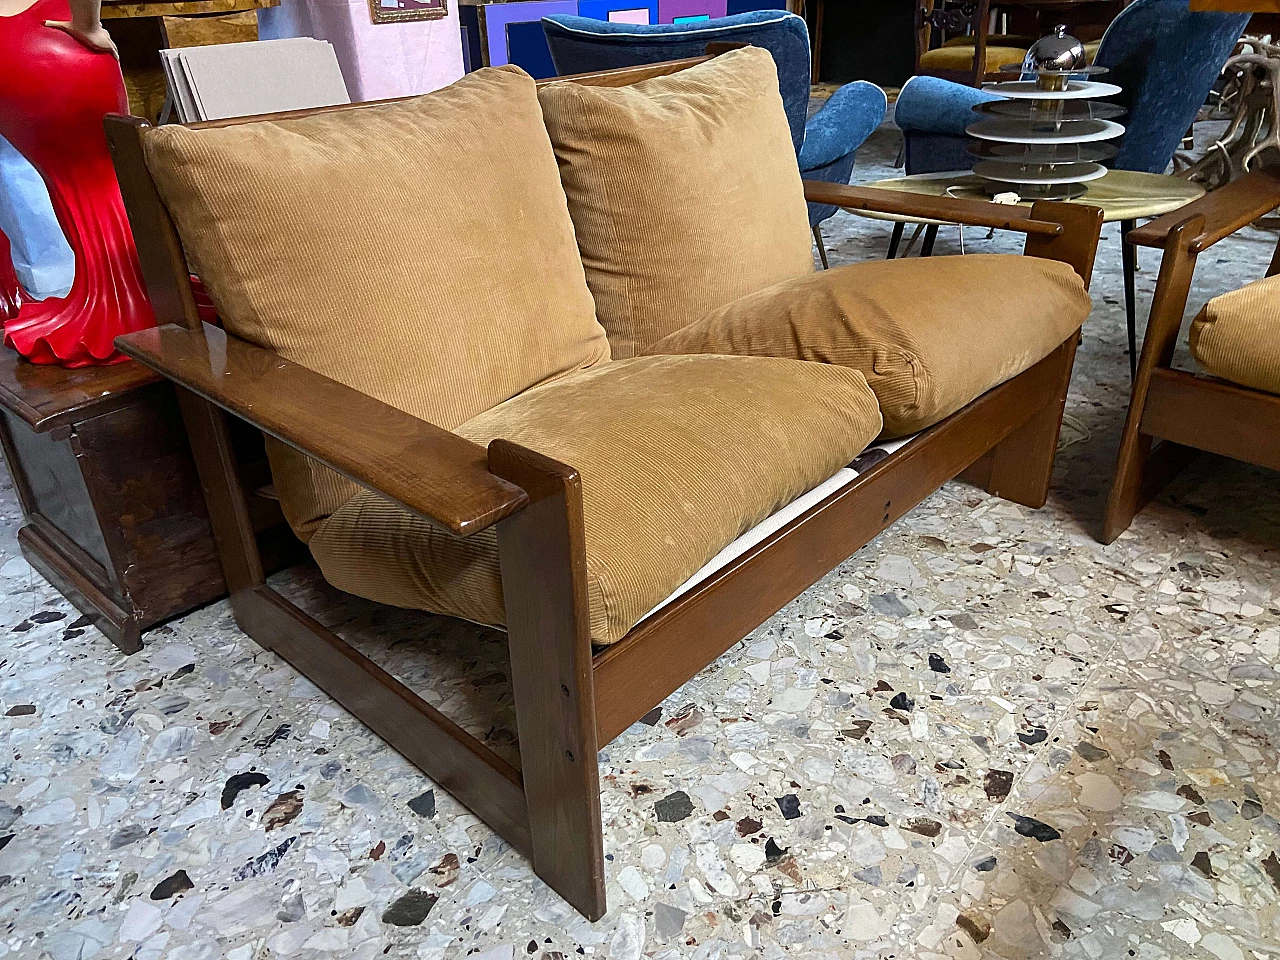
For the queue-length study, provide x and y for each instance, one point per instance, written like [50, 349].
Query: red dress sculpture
[54, 91]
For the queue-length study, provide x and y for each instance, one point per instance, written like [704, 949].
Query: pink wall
[378, 60]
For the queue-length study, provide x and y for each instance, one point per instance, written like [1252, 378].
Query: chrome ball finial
[1058, 52]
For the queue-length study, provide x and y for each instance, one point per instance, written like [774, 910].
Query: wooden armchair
[570, 698]
[1174, 413]
[971, 56]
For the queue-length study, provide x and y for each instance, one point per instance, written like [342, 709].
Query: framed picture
[399, 11]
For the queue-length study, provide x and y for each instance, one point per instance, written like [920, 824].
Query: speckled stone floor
[985, 735]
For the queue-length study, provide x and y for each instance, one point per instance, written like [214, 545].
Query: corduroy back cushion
[420, 252]
[1237, 336]
[684, 191]
[678, 457]
[930, 334]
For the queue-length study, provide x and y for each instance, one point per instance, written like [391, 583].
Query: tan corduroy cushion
[930, 334]
[684, 191]
[1237, 336]
[420, 252]
[678, 456]
[959, 56]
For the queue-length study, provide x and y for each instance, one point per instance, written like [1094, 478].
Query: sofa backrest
[419, 251]
[684, 192]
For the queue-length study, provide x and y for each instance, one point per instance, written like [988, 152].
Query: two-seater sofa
[555, 358]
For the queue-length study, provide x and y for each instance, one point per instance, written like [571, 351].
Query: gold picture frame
[402, 11]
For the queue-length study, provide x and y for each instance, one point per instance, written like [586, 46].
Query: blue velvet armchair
[825, 144]
[1164, 57]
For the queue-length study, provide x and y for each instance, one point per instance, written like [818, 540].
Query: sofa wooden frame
[1175, 413]
[569, 699]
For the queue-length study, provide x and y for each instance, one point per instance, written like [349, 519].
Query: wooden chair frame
[569, 699]
[1174, 413]
[961, 15]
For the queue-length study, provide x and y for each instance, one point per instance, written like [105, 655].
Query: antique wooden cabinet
[113, 510]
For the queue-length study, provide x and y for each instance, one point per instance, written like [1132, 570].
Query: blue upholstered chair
[1165, 58]
[825, 145]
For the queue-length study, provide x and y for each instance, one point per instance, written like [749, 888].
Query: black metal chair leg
[822, 250]
[1129, 260]
[930, 235]
[895, 239]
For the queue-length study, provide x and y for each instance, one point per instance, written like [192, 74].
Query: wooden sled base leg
[1020, 466]
[1150, 468]
[542, 552]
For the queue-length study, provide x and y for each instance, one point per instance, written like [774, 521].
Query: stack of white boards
[246, 79]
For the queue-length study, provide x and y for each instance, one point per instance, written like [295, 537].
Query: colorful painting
[494, 32]
[513, 33]
[690, 11]
[639, 17]
[398, 11]
[745, 6]
[641, 12]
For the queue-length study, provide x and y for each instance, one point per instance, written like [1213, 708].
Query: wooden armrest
[977, 213]
[1225, 211]
[430, 471]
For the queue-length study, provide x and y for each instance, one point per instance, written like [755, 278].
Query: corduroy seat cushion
[678, 456]
[1237, 336]
[420, 252]
[930, 334]
[684, 191]
[960, 57]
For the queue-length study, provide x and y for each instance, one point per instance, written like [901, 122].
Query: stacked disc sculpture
[1047, 137]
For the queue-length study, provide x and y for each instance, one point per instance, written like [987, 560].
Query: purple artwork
[497, 16]
[671, 10]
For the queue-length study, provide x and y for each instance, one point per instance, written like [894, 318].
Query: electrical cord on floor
[1079, 432]
[960, 225]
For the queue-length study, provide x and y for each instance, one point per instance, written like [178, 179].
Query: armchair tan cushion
[930, 334]
[684, 191]
[959, 56]
[678, 456]
[420, 252]
[1237, 336]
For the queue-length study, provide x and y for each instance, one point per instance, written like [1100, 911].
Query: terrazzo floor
[985, 735]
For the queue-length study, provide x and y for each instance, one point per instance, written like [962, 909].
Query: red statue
[58, 77]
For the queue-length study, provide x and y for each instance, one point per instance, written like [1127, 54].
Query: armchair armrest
[842, 125]
[1225, 211]
[975, 213]
[430, 471]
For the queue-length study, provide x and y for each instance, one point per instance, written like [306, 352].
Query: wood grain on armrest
[1225, 211]
[428, 470]
[977, 213]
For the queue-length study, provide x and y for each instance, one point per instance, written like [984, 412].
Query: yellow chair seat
[993, 40]
[1010, 41]
[960, 57]
[1237, 336]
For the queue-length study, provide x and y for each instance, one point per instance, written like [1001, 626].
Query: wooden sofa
[571, 698]
[1231, 405]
